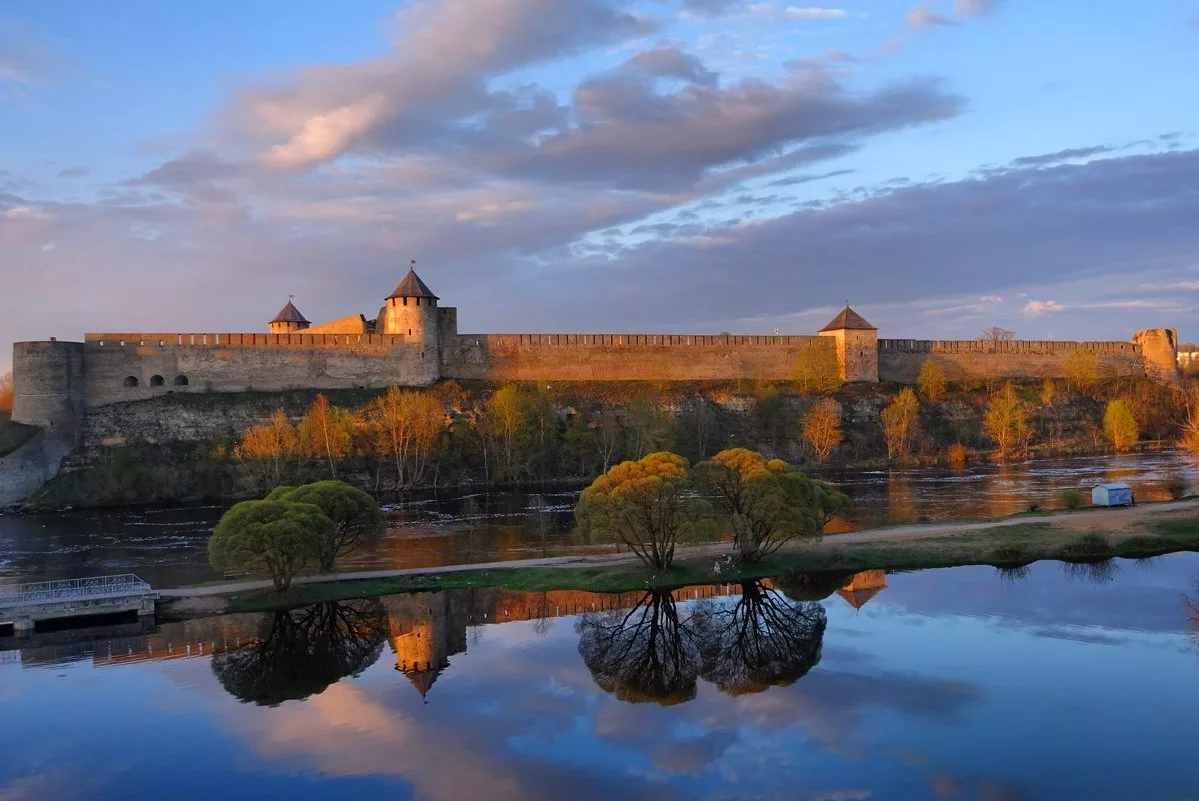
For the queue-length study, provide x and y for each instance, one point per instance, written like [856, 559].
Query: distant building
[1113, 494]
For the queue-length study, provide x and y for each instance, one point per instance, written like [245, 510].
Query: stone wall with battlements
[900, 360]
[623, 357]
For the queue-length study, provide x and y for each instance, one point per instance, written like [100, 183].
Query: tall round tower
[411, 312]
[288, 320]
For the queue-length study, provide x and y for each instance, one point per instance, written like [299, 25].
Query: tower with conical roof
[857, 345]
[288, 320]
[411, 312]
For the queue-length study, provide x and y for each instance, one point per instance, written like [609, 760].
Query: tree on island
[274, 537]
[645, 505]
[765, 503]
[354, 513]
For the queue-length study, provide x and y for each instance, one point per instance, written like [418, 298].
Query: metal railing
[96, 587]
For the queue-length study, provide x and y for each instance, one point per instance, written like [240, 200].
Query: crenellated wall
[900, 360]
[623, 357]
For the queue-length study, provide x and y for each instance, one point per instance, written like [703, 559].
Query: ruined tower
[857, 345]
[288, 320]
[1159, 350]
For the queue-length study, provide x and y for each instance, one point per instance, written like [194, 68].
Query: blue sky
[598, 165]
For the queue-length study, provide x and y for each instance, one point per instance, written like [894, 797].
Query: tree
[997, 334]
[645, 505]
[1082, 368]
[1048, 392]
[1120, 425]
[822, 427]
[765, 503]
[643, 654]
[582, 444]
[931, 381]
[6, 394]
[274, 537]
[901, 421]
[1006, 419]
[355, 515]
[326, 432]
[817, 368]
[1190, 426]
[300, 652]
[608, 436]
[647, 424]
[763, 640]
[270, 445]
[406, 427]
[506, 419]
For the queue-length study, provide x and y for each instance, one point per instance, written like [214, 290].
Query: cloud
[921, 18]
[815, 13]
[712, 8]
[670, 62]
[73, 172]
[1037, 308]
[26, 57]
[1062, 155]
[975, 8]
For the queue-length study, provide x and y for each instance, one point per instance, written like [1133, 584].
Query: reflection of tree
[1192, 612]
[302, 651]
[811, 586]
[1099, 571]
[641, 654]
[763, 639]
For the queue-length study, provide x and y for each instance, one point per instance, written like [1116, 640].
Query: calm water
[167, 547]
[949, 684]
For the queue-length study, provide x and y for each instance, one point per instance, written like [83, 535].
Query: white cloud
[816, 13]
[1038, 308]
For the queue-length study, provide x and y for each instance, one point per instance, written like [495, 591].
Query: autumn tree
[355, 515]
[326, 433]
[901, 423]
[932, 381]
[406, 427]
[1049, 393]
[822, 427]
[1006, 419]
[817, 369]
[765, 503]
[269, 445]
[1189, 438]
[6, 395]
[1120, 425]
[277, 538]
[506, 421]
[997, 334]
[645, 505]
[1082, 368]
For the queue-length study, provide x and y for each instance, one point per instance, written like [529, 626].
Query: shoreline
[1080, 536]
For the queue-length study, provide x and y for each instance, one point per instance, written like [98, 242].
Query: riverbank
[1083, 536]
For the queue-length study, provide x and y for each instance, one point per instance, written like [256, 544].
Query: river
[167, 546]
[960, 683]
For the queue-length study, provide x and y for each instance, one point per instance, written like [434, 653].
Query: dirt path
[1117, 523]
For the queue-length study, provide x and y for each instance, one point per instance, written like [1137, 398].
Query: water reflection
[300, 652]
[762, 640]
[641, 655]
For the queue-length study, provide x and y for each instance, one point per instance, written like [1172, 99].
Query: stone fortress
[414, 341]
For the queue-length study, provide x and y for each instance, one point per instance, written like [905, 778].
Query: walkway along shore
[923, 543]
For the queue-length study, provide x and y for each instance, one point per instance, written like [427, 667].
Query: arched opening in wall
[130, 381]
[181, 381]
[157, 381]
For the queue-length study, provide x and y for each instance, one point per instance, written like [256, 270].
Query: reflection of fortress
[426, 628]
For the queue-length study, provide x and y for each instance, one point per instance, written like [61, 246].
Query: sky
[640, 166]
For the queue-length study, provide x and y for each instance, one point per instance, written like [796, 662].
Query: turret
[411, 312]
[857, 345]
[1159, 350]
[288, 320]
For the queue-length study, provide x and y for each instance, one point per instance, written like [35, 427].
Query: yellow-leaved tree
[646, 505]
[931, 381]
[268, 445]
[822, 427]
[406, 427]
[1120, 425]
[817, 368]
[326, 432]
[1082, 368]
[1006, 420]
[901, 423]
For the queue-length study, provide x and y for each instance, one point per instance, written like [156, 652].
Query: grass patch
[14, 435]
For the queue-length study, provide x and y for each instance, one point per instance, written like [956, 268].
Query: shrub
[1176, 487]
[957, 454]
[1034, 506]
[1071, 498]
[273, 537]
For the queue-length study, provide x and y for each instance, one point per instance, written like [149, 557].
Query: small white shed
[1114, 494]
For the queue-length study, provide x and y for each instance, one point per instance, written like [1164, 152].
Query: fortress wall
[623, 357]
[48, 385]
[242, 362]
[900, 360]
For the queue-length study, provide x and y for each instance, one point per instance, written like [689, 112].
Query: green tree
[1082, 368]
[645, 505]
[1006, 420]
[931, 381]
[1120, 425]
[274, 537]
[355, 515]
[765, 503]
[648, 425]
[582, 444]
[901, 422]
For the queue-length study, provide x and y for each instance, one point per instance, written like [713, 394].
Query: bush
[957, 454]
[1071, 498]
[1034, 506]
[1176, 487]
[273, 537]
